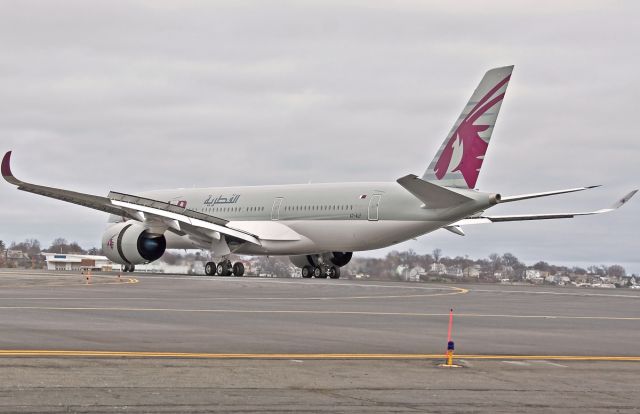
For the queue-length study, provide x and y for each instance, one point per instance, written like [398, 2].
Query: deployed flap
[432, 195]
[196, 222]
[266, 230]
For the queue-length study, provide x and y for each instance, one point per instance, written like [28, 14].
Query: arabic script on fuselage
[221, 199]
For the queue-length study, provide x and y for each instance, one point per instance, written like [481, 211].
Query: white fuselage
[328, 217]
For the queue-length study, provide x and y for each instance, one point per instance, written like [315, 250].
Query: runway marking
[75, 283]
[521, 363]
[457, 291]
[306, 282]
[300, 357]
[316, 312]
[546, 292]
[553, 364]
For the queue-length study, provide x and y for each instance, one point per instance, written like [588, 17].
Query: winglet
[6, 164]
[623, 200]
[6, 169]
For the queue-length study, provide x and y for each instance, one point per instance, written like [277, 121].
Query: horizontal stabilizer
[432, 195]
[519, 197]
[527, 217]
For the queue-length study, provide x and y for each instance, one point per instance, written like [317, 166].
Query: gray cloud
[141, 95]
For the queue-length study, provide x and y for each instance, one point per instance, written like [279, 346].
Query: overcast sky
[130, 96]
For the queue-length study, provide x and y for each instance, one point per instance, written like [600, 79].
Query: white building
[78, 262]
[472, 271]
[456, 271]
[438, 268]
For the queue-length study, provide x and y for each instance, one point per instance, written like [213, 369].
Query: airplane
[318, 226]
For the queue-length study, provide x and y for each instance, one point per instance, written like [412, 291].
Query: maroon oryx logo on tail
[465, 150]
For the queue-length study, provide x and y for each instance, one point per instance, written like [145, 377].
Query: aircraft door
[275, 210]
[374, 206]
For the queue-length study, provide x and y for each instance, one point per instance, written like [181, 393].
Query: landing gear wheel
[238, 269]
[318, 273]
[224, 268]
[131, 268]
[334, 272]
[307, 272]
[125, 268]
[210, 269]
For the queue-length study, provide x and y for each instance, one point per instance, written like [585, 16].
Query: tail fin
[458, 161]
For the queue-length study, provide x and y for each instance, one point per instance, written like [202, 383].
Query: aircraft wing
[526, 217]
[154, 213]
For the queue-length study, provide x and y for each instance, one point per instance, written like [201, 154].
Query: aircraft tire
[210, 269]
[318, 273]
[307, 272]
[132, 268]
[334, 272]
[125, 268]
[238, 269]
[224, 268]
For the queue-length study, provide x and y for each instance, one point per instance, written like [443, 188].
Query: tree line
[382, 267]
[493, 264]
[33, 249]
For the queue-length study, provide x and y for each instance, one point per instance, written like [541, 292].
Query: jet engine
[333, 258]
[130, 243]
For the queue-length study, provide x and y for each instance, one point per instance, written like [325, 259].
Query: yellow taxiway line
[319, 312]
[186, 355]
[79, 282]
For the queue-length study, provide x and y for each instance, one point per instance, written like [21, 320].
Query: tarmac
[172, 343]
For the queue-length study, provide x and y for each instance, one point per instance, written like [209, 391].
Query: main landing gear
[321, 272]
[224, 268]
[128, 268]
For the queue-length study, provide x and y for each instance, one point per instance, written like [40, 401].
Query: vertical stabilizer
[458, 161]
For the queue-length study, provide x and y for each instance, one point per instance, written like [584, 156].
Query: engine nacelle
[334, 258]
[131, 243]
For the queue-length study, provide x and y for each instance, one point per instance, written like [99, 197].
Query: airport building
[78, 262]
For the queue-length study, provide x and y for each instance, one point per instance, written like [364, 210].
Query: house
[456, 271]
[403, 271]
[410, 274]
[416, 273]
[17, 258]
[438, 268]
[535, 274]
[472, 271]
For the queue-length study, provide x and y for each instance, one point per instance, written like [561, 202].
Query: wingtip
[624, 199]
[6, 165]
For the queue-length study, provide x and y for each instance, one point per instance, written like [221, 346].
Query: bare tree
[496, 261]
[616, 271]
[437, 254]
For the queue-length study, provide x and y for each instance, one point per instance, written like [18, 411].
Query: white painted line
[553, 364]
[520, 363]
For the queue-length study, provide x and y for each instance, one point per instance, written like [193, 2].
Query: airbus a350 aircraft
[318, 225]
